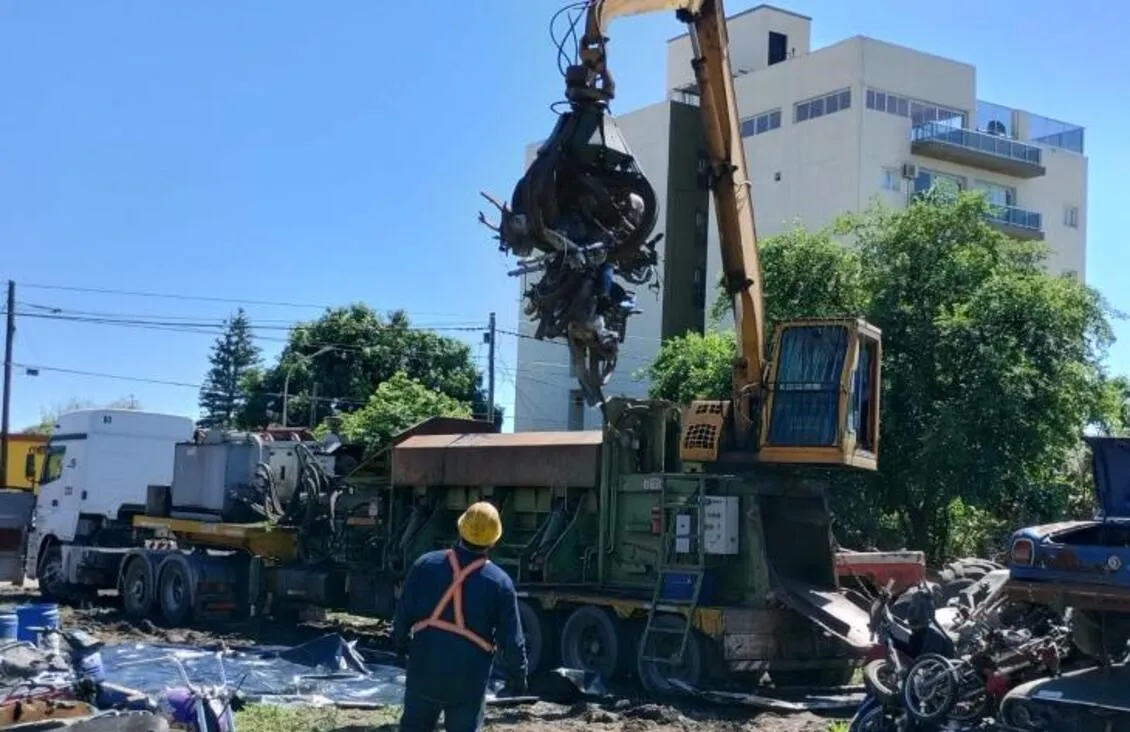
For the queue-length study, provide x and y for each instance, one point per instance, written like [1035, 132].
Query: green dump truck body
[607, 538]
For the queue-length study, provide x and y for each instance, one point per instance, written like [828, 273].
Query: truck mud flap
[16, 507]
[829, 609]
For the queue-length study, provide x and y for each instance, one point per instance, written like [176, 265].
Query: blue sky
[317, 153]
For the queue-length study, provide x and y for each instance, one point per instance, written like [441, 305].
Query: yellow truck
[25, 461]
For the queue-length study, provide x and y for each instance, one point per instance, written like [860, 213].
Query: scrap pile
[580, 218]
[953, 668]
[53, 678]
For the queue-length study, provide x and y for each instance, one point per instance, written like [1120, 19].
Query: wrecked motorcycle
[970, 688]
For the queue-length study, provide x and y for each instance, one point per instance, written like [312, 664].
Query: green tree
[991, 368]
[358, 350]
[48, 417]
[398, 403]
[233, 356]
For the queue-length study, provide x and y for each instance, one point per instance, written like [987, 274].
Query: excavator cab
[819, 403]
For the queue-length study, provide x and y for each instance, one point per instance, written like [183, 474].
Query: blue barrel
[9, 625]
[35, 618]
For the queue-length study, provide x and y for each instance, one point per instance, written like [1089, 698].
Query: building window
[946, 182]
[995, 193]
[919, 112]
[778, 47]
[698, 290]
[576, 410]
[760, 123]
[1071, 217]
[891, 180]
[822, 106]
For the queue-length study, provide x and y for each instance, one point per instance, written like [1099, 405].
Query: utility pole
[490, 369]
[5, 425]
[313, 406]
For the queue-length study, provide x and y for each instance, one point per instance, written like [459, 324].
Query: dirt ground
[623, 715]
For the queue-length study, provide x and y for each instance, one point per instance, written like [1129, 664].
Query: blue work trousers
[421, 713]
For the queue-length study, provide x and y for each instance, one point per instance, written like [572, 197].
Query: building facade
[825, 131]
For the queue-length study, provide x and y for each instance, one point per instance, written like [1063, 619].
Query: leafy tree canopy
[48, 417]
[398, 403]
[348, 353]
[991, 366]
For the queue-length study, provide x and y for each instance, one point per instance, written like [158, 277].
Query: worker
[455, 609]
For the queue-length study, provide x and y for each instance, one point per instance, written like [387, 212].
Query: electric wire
[189, 297]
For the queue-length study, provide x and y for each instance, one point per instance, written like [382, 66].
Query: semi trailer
[623, 561]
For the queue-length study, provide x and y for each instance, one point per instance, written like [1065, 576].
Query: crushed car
[1084, 565]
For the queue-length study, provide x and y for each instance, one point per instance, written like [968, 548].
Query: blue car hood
[1110, 466]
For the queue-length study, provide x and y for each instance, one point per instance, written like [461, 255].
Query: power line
[181, 296]
[284, 323]
[166, 382]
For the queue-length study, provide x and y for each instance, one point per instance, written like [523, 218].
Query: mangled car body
[1085, 565]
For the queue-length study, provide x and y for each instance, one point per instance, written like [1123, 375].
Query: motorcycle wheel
[880, 679]
[876, 720]
[930, 689]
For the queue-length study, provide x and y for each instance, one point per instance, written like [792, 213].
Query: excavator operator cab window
[805, 404]
[864, 402]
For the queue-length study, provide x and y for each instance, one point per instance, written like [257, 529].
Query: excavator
[582, 216]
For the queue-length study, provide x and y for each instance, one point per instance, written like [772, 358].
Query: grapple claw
[587, 211]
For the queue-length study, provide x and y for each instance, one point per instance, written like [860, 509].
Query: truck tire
[590, 641]
[137, 589]
[50, 574]
[175, 593]
[537, 631]
[656, 676]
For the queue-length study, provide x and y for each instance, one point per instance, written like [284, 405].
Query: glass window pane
[801, 112]
[881, 101]
[775, 120]
[903, 108]
[892, 104]
[845, 99]
[831, 104]
[816, 108]
[747, 127]
[870, 99]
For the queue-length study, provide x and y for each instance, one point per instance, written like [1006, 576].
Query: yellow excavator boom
[816, 401]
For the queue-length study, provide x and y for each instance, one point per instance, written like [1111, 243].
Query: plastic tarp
[324, 670]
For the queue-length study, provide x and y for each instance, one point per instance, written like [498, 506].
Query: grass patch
[271, 718]
[838, 725]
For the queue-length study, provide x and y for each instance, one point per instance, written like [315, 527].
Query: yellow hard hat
[480, 524]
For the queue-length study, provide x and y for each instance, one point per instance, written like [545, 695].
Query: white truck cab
[96, 472]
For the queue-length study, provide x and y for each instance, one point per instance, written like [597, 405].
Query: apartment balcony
[1017, 223]
[977, 149]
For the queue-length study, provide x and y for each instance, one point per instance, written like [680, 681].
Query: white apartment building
[825, 131]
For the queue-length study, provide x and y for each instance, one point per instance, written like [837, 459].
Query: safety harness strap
[454, 596]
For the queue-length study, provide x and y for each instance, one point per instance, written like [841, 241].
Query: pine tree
[233, 356]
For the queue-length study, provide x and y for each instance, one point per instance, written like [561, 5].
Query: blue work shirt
[445, 666]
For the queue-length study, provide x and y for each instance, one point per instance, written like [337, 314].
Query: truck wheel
[590, 641]
[50, 574]
[175, 593]
[537, 630]
[656, 676]
[137, 589]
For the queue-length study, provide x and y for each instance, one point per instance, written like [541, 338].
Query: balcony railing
[1017, 222]
[968, 147]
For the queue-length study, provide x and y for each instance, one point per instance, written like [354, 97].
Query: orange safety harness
[454, 596]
